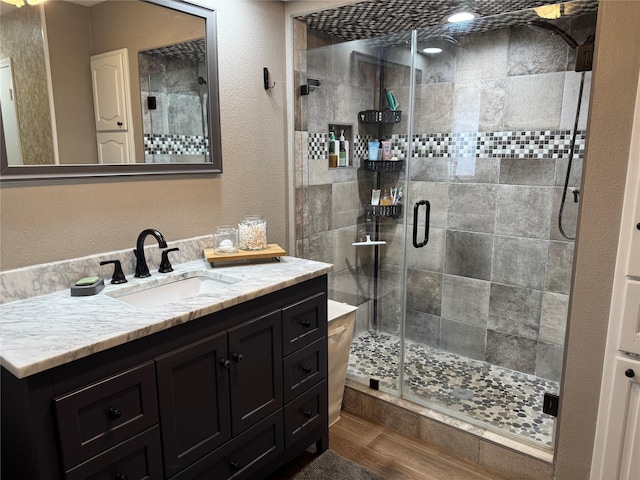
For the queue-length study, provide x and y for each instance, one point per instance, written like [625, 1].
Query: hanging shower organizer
[374, 212]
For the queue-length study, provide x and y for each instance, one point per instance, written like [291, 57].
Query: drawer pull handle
[238, 357]
[305, 323]
[307, 413]
[235, 465]
[629, 373]
[115, 413]
[121, 476]
[306, 368]
[225, 363]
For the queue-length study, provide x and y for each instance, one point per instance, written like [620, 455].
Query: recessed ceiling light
[432, 50]
[462, 16]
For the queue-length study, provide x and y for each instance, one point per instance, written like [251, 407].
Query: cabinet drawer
[138, 458]
[304, 368]
[101, 415]
[243, 456]
[305, 413]
[304, 322]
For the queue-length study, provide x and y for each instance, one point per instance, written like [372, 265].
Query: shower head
[202, 81]
[539, 25]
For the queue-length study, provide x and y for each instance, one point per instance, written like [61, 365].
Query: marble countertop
[46, 331]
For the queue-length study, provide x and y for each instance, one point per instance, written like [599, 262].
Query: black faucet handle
[118, 274]
[165, 265]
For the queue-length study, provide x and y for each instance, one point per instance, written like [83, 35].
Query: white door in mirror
[112, 106]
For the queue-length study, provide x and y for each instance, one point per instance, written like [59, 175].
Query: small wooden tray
[272, 251]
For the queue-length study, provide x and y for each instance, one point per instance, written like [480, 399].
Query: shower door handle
[416, 209]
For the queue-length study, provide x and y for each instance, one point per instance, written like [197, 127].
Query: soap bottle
[333, 151]
[344, 148]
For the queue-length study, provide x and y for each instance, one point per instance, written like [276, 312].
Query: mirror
[111, 87]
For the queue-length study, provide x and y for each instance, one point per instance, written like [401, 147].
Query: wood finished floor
[390, 455]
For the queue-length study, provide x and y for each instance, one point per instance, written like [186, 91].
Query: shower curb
[508, 456]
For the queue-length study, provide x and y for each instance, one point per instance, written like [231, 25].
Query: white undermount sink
[173, 292]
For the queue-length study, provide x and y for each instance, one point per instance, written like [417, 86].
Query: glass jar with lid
[252, 233]
[226, 240]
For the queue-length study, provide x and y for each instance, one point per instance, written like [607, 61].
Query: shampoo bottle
[342, 156]
[333, 151]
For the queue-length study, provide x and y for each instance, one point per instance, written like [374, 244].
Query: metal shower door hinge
[550, 404]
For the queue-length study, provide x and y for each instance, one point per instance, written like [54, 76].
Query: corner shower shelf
[384, 210]
[384, 165]
[380, 116]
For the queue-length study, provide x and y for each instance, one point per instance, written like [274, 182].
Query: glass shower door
[486, 298]
[338, 221]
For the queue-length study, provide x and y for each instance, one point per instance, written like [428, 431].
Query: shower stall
[462, 300]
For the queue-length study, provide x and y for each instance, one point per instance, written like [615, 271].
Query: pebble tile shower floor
[502, 398]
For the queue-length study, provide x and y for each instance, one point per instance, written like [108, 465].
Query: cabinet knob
[306, 368]
[629, 373]
[238, 357]
[119, 124]
[638, 226]
[225, 363]
[115, 413]
[121, 476]
[305, 323]
[307, 413]
[234, 465]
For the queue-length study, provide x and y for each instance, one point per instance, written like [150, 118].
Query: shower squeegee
[368, 241]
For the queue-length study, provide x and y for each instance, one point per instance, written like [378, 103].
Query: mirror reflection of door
[112, 106]
[11, 131]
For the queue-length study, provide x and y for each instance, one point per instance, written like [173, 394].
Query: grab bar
[416, 208]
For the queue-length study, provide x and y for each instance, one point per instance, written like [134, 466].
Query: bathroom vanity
[230, 384]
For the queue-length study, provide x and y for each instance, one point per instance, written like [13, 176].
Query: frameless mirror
[111, 87]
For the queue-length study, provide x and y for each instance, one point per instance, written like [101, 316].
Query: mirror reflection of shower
[202, 93]
[174, 94]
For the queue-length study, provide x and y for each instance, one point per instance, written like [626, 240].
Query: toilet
[341, 318]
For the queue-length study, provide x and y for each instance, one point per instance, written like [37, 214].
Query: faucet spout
[142, 270]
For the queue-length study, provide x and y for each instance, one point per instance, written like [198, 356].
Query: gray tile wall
[492, 129]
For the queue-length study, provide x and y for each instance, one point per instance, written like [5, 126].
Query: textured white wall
[46, 221]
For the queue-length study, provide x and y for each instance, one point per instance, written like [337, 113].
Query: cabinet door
[634, 254]
[630, 328]
[255, 351]
[193, 392]
[620, 458]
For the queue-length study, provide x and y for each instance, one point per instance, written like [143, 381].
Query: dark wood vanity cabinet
[232, 395]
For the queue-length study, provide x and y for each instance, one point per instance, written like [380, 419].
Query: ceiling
[374, 18]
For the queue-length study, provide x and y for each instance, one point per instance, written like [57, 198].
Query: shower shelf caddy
[383, 165]
[383, 210]
[380, 116]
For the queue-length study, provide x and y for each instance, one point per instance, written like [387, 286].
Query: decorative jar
[252, 233]
[225, 240]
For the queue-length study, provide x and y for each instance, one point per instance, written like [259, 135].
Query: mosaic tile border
[175, 144]
[507, 400]
[525, 144]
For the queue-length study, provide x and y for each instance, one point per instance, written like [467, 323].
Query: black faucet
[141, 262]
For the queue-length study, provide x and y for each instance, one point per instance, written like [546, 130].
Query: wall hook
[265, 72]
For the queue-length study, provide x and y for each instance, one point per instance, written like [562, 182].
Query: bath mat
[331, 466]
